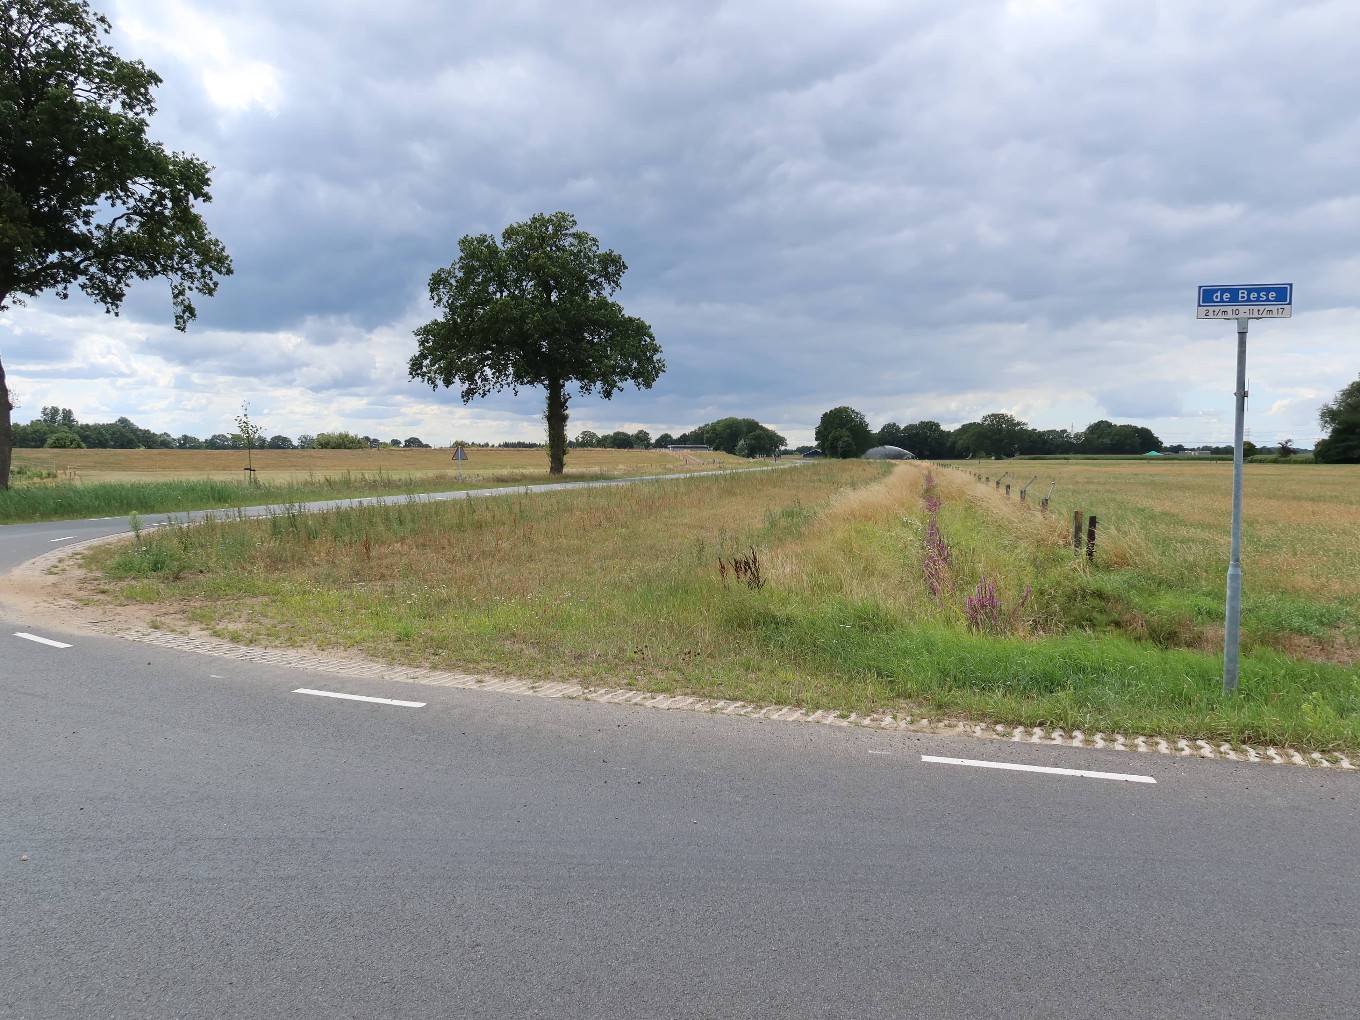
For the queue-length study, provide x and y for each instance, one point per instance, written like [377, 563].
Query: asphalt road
[204, 842]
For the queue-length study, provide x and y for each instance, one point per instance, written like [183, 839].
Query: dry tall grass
[862, 547]
[485, 576]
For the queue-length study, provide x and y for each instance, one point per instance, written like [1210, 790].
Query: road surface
[204, 841]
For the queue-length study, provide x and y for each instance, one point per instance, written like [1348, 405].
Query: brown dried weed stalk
[743, 569]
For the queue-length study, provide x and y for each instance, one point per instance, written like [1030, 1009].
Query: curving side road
[205, 841]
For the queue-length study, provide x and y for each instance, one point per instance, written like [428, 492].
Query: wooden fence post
[1076, 532]
[1091, 538]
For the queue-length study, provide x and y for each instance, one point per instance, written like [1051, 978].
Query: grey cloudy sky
[924, 210]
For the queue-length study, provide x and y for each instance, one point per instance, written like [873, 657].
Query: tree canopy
[122, 434]
[1344, 404]
[64, 439]
[86, 199]
[1341, 416]
[338, 441]
[843, 432]
[926, 439]
[726, 434]
[535, 309]
[761, 442]
[1107, 437]
[745, 437]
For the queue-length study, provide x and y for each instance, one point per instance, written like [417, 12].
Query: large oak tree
[86, 199]
[535, 309]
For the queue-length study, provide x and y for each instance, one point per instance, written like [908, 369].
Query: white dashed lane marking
[64, 538]
[1013, 767]
[360, 697]
[41, 640]
[1179, 747]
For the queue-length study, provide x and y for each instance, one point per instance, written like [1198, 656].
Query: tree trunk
[6, 433]
[557, 426]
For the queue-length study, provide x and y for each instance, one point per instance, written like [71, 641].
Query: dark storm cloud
[819, 203]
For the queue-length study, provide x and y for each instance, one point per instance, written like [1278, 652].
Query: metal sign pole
[1233, 618]
[1242, 302]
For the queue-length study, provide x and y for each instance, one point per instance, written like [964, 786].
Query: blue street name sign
[1246, 301]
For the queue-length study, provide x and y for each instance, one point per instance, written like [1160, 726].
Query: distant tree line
[841, 432]
[57, 429]
[743, 437]
[845, 432]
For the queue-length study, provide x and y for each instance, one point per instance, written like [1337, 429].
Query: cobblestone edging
[1175, 747]
[49, 560]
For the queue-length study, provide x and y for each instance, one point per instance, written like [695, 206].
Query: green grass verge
[620, 587]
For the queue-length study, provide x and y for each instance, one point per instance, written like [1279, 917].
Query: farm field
[58, 484]
[1300, 541]
[912, 588]
[93, 466]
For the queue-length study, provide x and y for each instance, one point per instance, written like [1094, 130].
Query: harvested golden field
[1300, 524]
[94, 466]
